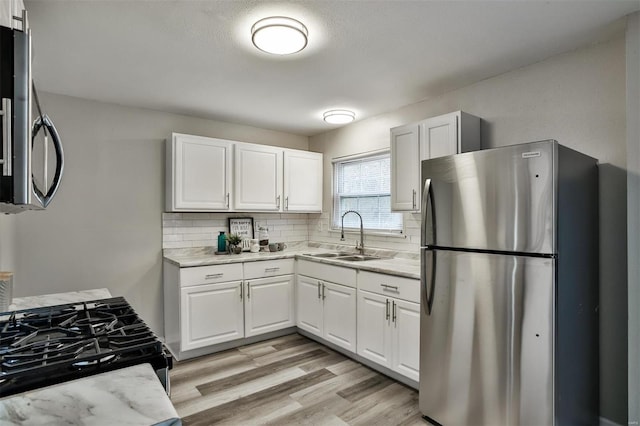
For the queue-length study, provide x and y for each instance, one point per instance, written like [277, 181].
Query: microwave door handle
[45, 121]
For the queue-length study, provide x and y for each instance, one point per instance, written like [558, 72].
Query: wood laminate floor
[289, 380]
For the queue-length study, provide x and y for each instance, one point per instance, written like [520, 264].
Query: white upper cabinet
[198, 173]
[431, 138]
[405, 169]
[257, 177]
[302, 181]
[207, 175]
[9, 9]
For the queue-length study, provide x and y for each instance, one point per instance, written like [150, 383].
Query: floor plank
[289, 380]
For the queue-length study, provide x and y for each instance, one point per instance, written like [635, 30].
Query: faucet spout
[360, 247]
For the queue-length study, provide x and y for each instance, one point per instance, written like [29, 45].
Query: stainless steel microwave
[31, 172]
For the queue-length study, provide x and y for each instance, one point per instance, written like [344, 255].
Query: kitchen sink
[358, 258]
[339, 254]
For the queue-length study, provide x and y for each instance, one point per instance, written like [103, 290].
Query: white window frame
[334, 225]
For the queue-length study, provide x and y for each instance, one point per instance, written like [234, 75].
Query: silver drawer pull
[389, 287]
[277, 268]
[212, 276]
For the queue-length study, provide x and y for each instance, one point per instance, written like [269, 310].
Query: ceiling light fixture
[279, 35]
[339, 116]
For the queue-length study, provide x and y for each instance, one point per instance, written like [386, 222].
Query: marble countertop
[392, 263]
[129, 396]
[19, 303]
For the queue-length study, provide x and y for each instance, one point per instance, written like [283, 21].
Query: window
[363, 184]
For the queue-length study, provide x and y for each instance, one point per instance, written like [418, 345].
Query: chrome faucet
[360, 247]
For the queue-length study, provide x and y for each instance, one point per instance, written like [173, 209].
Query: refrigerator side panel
[499, 199]
[577, 348]
[486, 347]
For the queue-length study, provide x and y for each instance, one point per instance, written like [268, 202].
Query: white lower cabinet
[374, 333]
[388, 326]
[210, 314]
[269, 305]
[309, 305]
[327, 310]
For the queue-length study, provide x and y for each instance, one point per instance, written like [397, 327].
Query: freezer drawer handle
[390, 287]
[429, 290]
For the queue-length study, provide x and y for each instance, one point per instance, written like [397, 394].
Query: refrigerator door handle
[427, 290]
[427, 195]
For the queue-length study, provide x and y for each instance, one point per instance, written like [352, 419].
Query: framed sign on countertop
[243, 226]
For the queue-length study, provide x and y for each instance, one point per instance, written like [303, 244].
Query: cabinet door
[339, 315]
[210, 314]
[309, 304]
[439, 136]
[269, 305]
[201, 173]
[405, 168]
[406, 338]
[302, 181]
[374, 333]
[257, 177]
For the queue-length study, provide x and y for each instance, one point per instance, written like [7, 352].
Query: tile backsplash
[184, 230]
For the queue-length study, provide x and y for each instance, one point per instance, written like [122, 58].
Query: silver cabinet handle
[286, 203]
[248, 290]
[414, 199]
[212, 276]
[276, 268]
[323, 296]
[241, 290]
[278, 202]
[387, 309]
[319, 295]
[390, 287]
[393, 318]
[227, 200]
[7, 135]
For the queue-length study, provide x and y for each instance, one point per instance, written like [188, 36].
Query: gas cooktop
[45, 346]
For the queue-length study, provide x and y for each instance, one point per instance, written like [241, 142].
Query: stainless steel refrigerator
[509, 259]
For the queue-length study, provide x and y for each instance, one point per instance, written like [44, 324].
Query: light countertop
[392, 263]
[19, 303]
[127, 396]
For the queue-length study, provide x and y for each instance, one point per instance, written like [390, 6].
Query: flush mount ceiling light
[339, 116]
[279, 35]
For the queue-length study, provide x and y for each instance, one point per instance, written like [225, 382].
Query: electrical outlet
[319, 226]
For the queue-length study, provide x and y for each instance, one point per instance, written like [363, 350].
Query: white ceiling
[196, 57]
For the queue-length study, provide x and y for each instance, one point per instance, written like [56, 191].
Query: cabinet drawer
[210, 274]
[268, 268]
[390, 285]
[322, 271]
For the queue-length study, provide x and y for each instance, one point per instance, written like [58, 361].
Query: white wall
[577, 98]
[7, 242]
[104, 228]
[633, 211]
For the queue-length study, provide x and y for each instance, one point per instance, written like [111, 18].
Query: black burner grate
[44, 346]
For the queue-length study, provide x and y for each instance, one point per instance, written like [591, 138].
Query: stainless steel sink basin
[330, 254]
[357, 258]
